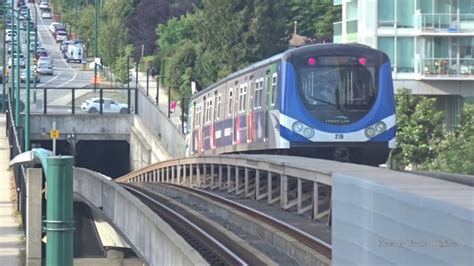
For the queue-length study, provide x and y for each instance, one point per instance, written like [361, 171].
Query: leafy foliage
[120, 65]
[456, 151]
[418, 128]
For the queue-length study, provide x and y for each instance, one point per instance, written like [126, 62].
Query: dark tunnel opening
[109, 157]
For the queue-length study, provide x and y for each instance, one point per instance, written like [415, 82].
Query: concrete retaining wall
[145, 148]
[154, 240]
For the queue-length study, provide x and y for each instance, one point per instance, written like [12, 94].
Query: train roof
[285, 54]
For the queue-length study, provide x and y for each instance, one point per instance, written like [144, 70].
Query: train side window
[274, 86]
[208, 111]
[230, 103]
[260, 93]
[244, 98]
[198, 116]
[241, 99]
[218, 106]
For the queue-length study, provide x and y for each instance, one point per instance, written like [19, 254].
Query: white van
[75, 53]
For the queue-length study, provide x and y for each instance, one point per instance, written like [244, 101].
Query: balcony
[448, 68]
[445, 23]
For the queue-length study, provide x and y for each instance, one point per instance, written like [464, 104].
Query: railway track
[316, 252]
[209, 248]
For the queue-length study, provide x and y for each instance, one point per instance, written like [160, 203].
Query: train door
[228, 127]
[266, 102]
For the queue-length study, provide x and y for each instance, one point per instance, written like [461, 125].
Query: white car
[43, 5]
[92, 106]
[8, 36]
[53, 25]
[46, 15]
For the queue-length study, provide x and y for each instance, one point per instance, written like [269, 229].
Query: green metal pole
[28, 74]
[12, 69]
[18, 76]
[4, 75]
[96, 52]
[59, 223]
[36, 41]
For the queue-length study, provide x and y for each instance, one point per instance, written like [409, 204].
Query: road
[66, 75]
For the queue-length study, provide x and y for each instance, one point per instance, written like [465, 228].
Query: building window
[405, 55]
[387, 45]
[405, 13]
[386, 13]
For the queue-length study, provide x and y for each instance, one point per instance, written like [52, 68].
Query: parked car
[14, 59]
[46, 14]
[8, 36]
[92, 106]
[44, 68]
[33, 76]
[60, 36]
[53, 25]
[1, 74]
[44, 5]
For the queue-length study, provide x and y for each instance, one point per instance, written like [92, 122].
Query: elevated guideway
[377, 215]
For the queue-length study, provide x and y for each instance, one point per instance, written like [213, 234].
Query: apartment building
[430, 44]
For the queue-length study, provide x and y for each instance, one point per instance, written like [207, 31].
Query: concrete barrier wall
[154, 240]
[374, 224]
[84, 126]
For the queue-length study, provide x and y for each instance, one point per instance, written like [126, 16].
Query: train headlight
[298, 127]
[380, 127]
[308, 132]
[370, 132]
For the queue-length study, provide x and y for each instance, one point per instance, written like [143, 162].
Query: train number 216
[339, 136]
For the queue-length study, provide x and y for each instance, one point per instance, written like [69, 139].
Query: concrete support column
[283, 191]
[220, 177]
[315, 201]
[33, 216]
[213, 183]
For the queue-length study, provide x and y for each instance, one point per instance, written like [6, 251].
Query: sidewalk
[10, 233]
[163, 96]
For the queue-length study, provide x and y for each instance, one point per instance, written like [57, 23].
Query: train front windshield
[337, 90]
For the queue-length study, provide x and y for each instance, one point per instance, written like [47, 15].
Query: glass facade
[405, 55]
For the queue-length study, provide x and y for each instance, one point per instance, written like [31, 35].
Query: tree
[418, 129]
[315, 18]
[120, 65]
[456, 152]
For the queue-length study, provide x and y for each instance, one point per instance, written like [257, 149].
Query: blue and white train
[332, 101]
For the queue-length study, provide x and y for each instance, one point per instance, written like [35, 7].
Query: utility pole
[28, 75]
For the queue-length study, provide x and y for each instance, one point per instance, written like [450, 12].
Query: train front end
[338, 103]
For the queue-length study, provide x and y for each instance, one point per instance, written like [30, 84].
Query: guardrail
[299, 187]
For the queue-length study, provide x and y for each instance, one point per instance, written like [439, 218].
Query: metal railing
[446, 67]
[441, 22]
